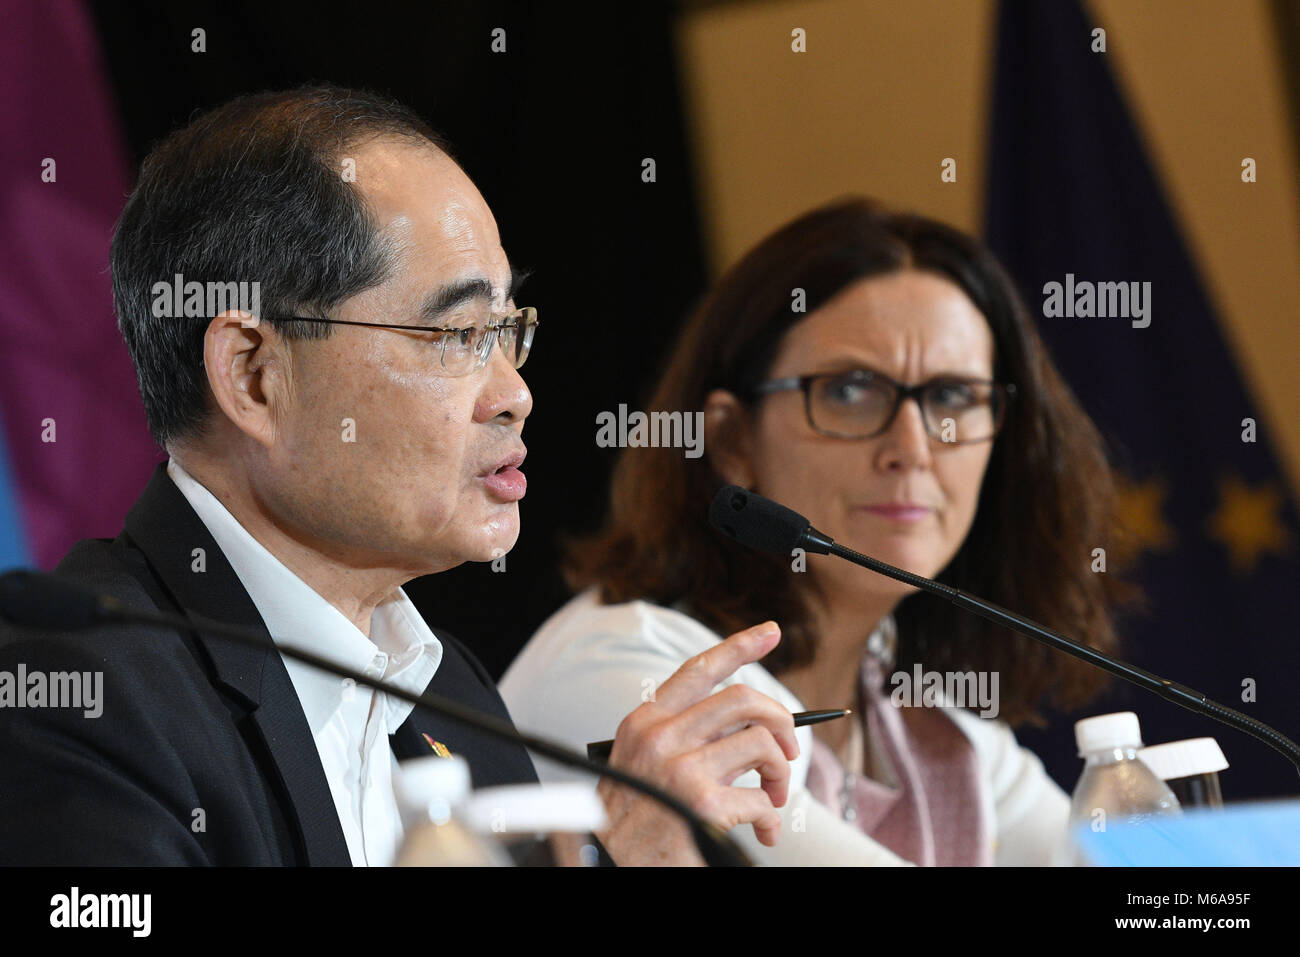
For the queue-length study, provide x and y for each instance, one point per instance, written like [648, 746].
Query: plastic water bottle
[1190, 768]
[430, 794]
[1115, 785]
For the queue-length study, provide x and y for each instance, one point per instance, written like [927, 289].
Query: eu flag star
[1141, 518]
[1248, 522]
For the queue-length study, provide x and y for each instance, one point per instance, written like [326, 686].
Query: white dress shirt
[350, 723]
[590, 664]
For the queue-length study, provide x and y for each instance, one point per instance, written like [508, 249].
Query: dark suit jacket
[202, 754]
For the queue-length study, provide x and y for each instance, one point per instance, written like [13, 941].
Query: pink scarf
[934, 815]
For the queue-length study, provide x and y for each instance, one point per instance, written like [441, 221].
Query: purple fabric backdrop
[61, 356]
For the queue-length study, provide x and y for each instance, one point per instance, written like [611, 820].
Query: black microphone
[764, 525]
[42, 601]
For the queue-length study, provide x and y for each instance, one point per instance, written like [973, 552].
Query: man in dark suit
[202, 753]
[352, 421]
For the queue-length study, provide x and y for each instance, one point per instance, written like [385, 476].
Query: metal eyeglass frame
[525, 329]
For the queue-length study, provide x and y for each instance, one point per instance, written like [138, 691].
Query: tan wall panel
[884, 92]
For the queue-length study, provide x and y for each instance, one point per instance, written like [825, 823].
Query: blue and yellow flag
[1074, 201]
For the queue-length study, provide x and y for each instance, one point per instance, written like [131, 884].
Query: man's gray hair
[253, 191]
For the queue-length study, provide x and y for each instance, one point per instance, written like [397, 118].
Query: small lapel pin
[439, 748]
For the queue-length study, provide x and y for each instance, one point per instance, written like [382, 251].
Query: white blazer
[589, 665]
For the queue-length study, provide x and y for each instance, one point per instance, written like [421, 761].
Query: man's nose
[505, 395]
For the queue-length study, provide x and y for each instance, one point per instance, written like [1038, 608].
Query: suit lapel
[167, 530]
[492, 761]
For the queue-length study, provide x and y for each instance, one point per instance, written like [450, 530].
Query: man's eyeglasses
[861, 404]
[463, 350]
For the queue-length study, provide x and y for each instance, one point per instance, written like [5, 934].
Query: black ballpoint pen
[599, 750]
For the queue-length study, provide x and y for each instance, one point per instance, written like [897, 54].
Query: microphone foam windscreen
[756, 521]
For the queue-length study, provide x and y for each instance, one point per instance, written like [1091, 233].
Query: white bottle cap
[536, 808]
[1106, 732]
[423, 783]
[1181, 759]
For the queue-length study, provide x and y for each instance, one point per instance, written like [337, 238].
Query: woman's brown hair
[1048, 497]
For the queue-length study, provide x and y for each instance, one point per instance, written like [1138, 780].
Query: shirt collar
[402, 649]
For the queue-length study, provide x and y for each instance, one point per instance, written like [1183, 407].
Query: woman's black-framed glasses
[463, 350]
[862, 404]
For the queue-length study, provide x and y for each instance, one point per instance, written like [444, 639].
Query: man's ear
[728, 438]
[248, 372]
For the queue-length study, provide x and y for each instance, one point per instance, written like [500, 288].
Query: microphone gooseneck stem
[1169, 690]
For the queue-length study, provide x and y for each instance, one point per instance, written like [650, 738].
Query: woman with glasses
[876, 372]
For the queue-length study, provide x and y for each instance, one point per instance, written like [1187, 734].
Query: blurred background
[1170, 158]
